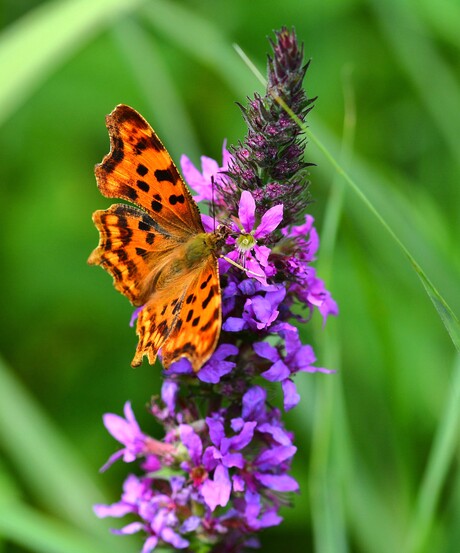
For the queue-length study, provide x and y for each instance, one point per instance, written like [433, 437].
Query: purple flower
[202, 183]
[137, 444]
[216, 491]
[301, 244]
[127, 432]
[260, 309]
[159, 512]
[248, 252]
[212, 370]
[297, 358]
[217, 366]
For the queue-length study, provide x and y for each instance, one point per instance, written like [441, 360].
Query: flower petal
[169, 391]
[291, 397]
[217, 492]
[270, 220]
[150, 543]
[234, 324]
[267, 351]
[192, 442]
[211, 373]
[277, 372]
[216, 429]
[131, 528]
[169, 536]
[246, 211]
[254, 402]
[275, 455]
[278, 482]
[209, 223]
[115, 510]
[190, 524]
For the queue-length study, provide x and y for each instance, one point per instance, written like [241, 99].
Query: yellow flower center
[245, 242]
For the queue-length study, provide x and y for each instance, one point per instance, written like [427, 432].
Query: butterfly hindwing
[197, 330]
[184, 324]
[140, 170]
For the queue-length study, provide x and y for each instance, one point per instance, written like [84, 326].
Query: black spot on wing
[142, 170]
[210, 295]
[131, 268]
[125, 114]
[140, 146]
[122, 256]
[155, 143]
[188, 347]
[205, 282]
[189, 299]
[213, 318]
[156, 203]
[165, 175]
[143, 185]
[173, 199]
[163, 328]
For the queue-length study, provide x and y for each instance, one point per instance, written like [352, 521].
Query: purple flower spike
[218, 470]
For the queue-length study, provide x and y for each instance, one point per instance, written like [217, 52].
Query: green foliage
[378, 441]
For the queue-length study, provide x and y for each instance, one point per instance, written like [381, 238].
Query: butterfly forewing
[140, 170]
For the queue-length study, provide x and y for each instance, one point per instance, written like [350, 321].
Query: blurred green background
[378, 442]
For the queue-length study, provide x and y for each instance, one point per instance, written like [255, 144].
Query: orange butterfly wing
[159, 255]
[140, 170]
[186, 324]
[130, 246]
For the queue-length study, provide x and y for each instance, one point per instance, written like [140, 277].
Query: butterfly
[156, 249]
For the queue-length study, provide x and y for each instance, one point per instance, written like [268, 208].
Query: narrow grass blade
[334, 203]
[326, 485]
[441, 456]
[34, 46]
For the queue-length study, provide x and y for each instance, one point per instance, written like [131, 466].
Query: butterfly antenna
[213, 205]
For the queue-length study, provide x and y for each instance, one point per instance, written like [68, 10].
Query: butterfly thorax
[198, 248]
